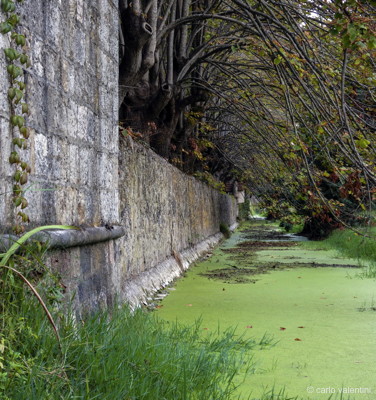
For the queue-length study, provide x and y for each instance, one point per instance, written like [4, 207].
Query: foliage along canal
[312, 314]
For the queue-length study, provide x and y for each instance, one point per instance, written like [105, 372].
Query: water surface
[323, 317]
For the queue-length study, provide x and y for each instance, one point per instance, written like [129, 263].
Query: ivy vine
[17, 59]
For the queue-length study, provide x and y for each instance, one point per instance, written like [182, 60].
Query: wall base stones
[140, 289]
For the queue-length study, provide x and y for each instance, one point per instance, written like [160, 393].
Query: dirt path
[310, 302]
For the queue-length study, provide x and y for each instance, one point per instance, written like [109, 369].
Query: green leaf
[12, 54]
[21, 85]
[8, 6]
[24, 59]
[17, 142]
[19, 95]
[371, 44]
[23, 180]
[14, 120]
[11, 93]
[346, 41]
[5, 27]
[14, 71]
[25, 132]
[14, 158]
[25, 108]
[352, 32]
[18, 200]
[27, 236]
[13, 20]
[362, 143]
[20, 40]
[17, 177]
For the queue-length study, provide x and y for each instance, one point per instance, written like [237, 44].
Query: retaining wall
[82, 175]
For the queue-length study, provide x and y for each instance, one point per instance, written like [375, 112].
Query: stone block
[54, 26]
[42, 167]
[86, 168]
[6, 147]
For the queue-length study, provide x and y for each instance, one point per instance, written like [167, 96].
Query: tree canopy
[283, 92]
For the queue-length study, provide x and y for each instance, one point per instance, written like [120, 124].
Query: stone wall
[169, 218]
[82, 175]
[72, 93]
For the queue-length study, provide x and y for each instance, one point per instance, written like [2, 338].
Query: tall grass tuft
[125, 355]
[353, 245]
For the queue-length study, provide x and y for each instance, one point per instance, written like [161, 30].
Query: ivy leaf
[5, 27]
[11, 54]
[8, 6]
[19, 95]
[11, 93]
[25, 108]
[13, 20]
[20, 40]
[24, 59]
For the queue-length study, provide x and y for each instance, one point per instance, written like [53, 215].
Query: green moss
[225, 230]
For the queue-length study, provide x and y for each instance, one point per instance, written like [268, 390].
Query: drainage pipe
[62, 239]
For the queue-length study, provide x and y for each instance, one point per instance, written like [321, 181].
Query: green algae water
[319, 313]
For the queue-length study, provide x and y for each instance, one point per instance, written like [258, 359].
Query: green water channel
[321, 315]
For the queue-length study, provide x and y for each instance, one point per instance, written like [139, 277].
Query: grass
[118, 355]
[353, 245]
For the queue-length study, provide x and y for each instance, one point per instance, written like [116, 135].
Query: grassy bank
[119, 356]
[361, 247]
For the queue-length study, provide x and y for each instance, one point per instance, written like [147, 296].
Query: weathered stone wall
[82, 175]
[170, 220]
[72, 94]
[162, 209]
[164, 212]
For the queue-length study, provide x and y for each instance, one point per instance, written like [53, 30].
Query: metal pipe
[62, 239]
